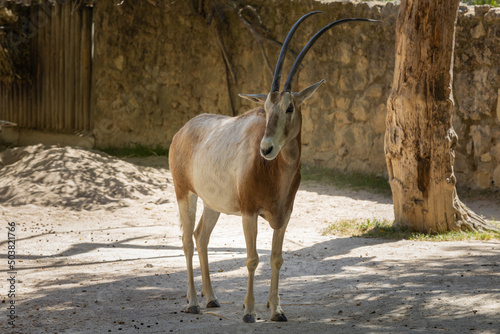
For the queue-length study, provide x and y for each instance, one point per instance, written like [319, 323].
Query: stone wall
[157, 67]
[476, 91]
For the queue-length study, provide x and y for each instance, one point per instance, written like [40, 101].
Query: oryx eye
[289, 109]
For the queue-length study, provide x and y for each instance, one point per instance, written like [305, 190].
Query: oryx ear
[306, 93]
[260, 98]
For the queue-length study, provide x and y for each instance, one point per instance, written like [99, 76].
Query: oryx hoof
[249, 318]
[279, 317]
[193, 310]
[213, 303]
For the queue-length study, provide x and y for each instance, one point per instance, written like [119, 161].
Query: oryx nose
[266, 146]
[266, 151]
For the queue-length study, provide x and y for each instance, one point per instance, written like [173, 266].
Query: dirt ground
[98, 250]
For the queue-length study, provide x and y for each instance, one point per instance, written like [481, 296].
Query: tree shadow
[329, 190]
[331, 288]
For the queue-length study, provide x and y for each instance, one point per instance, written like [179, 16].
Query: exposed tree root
[468, 220]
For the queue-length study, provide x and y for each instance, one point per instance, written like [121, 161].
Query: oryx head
[283, 117]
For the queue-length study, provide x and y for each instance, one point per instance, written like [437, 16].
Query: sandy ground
[98, 250]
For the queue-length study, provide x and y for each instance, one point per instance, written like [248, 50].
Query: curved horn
[296, 64]
[281, 59]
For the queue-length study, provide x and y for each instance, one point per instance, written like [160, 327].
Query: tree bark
[419, 139]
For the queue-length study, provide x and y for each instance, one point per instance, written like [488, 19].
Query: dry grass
[384, 229]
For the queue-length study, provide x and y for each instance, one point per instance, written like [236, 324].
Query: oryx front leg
[187, 212]
[276, 262]
[202, 237]
[250, 230]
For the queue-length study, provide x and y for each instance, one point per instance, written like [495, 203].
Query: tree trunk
[420, 140]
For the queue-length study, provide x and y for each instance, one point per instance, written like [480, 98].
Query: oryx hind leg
[187, 212]
[202, 237]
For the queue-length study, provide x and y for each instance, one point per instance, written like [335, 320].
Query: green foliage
[365, 228]
[136, 151]
[494, 3]
[356, 181]
[387, 230]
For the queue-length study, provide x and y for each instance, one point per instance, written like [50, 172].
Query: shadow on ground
[336, 291]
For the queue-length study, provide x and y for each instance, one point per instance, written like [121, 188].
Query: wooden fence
[59, 96]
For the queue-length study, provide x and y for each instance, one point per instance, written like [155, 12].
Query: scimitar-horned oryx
[247, 165]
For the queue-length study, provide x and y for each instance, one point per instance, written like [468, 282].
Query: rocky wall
[155, 67]
[476, 92]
